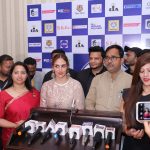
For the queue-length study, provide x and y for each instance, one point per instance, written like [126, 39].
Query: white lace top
[61, 96]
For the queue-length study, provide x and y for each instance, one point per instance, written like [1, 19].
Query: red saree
[18, 110]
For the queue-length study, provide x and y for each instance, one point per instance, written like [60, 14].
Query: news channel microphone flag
[76, 26]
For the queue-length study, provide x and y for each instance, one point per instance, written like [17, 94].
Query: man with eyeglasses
[105, 93]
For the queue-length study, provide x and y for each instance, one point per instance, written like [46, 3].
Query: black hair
[27, 82]
[5, 57]
[118, 47]
[30, 61]
[97, 49]
[58, 51]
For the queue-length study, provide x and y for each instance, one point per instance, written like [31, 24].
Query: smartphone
[143, 111]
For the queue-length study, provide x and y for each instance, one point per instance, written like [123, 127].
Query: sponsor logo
[63, 27]
[37, 60]
[86, 66]
[131, 6]
[79, 8]
[49, 28]
[95, 26]
[79, 27]
[147, 24]
[63, 43]
[49, 43]
[148, 5]
[96, 8]
[34, 12]
[96, 42]
[134, 24]
[63, 10]
[48, 11]
[79, 44]
[108, 43]
[113, 7]
[34, 44]
[113, 25]
[46, 60]
[34, 29]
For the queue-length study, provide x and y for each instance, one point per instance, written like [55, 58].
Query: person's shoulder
[126, 75]
[48, 73]
[74, 81]
[84, 72]
[102, 75]
[48, 83]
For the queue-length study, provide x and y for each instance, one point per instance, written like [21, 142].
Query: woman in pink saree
[16, 101]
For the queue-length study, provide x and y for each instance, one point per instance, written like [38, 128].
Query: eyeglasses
[113, 58]
[60, 66]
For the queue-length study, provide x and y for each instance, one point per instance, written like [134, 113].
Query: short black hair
[118, 47]
[30, 61]
[5, 57]
[59, 51]
[97, 49]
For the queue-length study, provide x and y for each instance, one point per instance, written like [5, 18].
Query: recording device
[46, 135]
[109, 135]
[23, 130]
[40, 127]
[98, 134]
[87, 128]
[75, 132]
[142, 111]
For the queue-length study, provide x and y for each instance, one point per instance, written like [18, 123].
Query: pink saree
[16, 109]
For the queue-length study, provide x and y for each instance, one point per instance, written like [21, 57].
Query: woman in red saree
[16, 101]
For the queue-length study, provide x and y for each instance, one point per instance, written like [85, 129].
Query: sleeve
[79, 97]
[2, 105]
[91, 96]
[43, 98]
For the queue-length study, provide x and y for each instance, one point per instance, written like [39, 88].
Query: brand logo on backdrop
[147, 42]
[34, 44]
[48, 11]
[79, 44]
[113, 25]
[132, 24]
[79, 8]
[147, 24]
[34, 29]
[63, 43]
[37, 60]
[79, 27]
[86, 66]
[49, 28]
[95, 26]
[108, 43]
[131, 6]
[96, 42]
[34, 12]
[63, 27]
[113, 7]
[96, 8]
[63, 10]
[46, 60]
[49, 42]
[148, 5]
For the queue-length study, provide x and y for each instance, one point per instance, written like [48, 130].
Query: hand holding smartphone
[143, 111]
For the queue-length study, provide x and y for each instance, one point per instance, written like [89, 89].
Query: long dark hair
[27, 82]
[135, 91]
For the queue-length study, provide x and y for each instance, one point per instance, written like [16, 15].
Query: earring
[68, 74]
[53, 74]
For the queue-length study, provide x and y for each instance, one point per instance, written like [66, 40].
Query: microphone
[32, 124]
[110, 134]
[73, 139]
[37, 132]
[87, 128]
[23, 131]
[46, 135]
[97, 139]
[99, 134]
[57, 134]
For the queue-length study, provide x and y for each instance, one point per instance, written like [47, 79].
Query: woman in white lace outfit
[62, 92]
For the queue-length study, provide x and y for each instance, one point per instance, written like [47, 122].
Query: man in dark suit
[96, 55]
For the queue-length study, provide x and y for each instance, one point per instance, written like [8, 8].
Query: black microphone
[108, 140]
[46, 135]
[24, 130]
[73, 140]
[58, 132]
[86, 136]
[35, 134]
[97, 139]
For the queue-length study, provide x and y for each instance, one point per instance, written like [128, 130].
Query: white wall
[13, 26]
